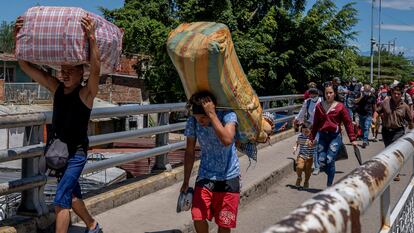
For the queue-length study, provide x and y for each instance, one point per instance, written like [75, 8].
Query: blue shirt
[218, 162]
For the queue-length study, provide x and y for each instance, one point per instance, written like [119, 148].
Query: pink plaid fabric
[54, 36]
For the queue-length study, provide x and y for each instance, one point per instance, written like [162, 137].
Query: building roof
[24, 108]
[7, 57]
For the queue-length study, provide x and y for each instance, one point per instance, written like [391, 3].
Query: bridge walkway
[268, 194]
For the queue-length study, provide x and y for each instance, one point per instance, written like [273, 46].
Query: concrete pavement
[155, 213]
[283, 197]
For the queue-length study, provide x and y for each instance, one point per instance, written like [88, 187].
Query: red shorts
[220, 205]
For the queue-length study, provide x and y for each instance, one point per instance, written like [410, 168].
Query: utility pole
[393, 45]
[379, 41]
[371, 76]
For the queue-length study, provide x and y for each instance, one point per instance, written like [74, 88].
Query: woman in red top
[329, 115]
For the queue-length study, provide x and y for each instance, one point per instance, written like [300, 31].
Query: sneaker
[364, 145]
[306, 185]
[315, 171]
[298, 181]
[397, 178]
[97, 229]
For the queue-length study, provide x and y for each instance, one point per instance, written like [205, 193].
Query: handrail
[40, 118]
[35, 179]
[338, 208]
[37, 150]
[280, 97]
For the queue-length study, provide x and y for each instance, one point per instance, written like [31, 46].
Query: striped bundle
[204, 55]
[54, 36]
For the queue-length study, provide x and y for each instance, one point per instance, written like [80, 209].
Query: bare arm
[224, 133]
[39, 76]
[189, 158]
[409, 118]
[301, 115]
[34, 73]
[95, 64]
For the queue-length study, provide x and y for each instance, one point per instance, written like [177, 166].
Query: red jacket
[332, 121]
[306, 95]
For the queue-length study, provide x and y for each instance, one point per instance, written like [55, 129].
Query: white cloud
[396, 4]
[397, 27]
[406, 51]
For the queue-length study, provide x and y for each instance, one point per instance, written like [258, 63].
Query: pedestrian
[366, 106]
[376, 119]
[329, 115]
[353, 91]
[310, 85]
[394, 113]
[71, 113]
[305, 157]
[342, 91]
[406, 97]
[217, 187]
[306, 116]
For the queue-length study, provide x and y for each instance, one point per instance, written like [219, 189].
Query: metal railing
[339, 208]
[33, 166]
[25, 93]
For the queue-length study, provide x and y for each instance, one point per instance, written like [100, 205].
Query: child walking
[305, 157]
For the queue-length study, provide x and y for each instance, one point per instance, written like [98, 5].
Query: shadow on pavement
[78, 229]
[309, 190]
[166, 231]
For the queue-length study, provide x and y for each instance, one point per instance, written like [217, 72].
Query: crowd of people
[360, 109]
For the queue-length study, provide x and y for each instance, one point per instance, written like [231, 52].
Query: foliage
[280, 46]
[393, 67]
[6, 37]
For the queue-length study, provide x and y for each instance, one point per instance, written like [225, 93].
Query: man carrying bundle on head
[217, 188]
[72, 105]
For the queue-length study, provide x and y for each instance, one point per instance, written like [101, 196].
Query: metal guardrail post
[32, 200]
[160, 140]
[266, 105]
[290, 103]
[385, 207]
[290, 111]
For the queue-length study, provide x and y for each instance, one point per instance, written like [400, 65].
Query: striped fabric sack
[54, 36]
[204, 56]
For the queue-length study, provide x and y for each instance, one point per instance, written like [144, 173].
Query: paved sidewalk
[156, 212]
[284, 197]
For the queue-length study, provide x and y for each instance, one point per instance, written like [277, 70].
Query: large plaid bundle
[54, 36]
[204, 55]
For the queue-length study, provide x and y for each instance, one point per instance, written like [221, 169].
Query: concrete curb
[124, 192]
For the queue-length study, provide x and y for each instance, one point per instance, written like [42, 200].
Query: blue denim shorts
[68, 186]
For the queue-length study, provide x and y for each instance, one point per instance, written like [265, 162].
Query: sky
[397, 23]
[397, 18]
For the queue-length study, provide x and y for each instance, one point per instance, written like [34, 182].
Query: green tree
[280, 46]
[393, 67]
[6, 37]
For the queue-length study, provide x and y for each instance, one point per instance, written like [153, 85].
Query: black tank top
[70, 119]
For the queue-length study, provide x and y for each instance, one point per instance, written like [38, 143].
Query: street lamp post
[379, 41]
[371, 77]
